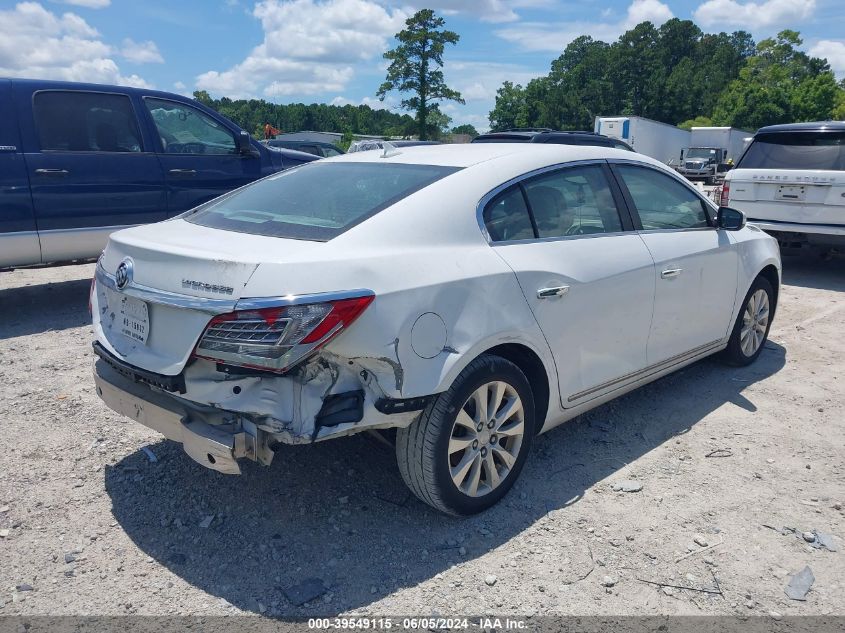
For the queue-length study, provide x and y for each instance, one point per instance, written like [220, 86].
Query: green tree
[466, 128]
[509, 109]
[415, 67]
[778, 84]
[699, 121]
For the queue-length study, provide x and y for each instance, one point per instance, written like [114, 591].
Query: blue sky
[330, 50]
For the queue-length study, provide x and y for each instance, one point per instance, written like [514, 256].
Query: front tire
[751, 329]
[464, 452]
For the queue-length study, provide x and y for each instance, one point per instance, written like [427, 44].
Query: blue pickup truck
[78, 161]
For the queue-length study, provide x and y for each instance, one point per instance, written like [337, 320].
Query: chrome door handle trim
[547, 293]
[671, 272]
[51, 172]
[183, 172]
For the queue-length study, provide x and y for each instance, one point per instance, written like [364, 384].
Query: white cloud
[485, 10]
[834, 52]
[40, 44]
[756, 15]
[388, 104]
[88, 4]
[309, 47]
[478, 81]
[554, 36]
[141, 52]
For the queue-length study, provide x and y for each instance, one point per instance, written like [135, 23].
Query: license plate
[131, 316]
[790, 192]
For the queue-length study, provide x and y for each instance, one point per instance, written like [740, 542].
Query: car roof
[811, 126]
[470, 154]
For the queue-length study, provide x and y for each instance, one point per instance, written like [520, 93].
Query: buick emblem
[123, 275]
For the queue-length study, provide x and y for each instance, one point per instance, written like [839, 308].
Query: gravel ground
[90, 525]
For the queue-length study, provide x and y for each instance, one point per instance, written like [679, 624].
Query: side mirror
[244, 145]
[730, 219]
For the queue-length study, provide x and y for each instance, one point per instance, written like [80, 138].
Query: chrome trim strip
[163, 297]
[257, 303]
[221, 306]
[651, 369]
[86, 229]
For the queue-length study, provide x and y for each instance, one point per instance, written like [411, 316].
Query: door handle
[52, 172]
[669, 273]
[183, 172]
[548, 293]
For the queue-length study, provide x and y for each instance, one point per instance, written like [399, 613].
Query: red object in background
[270, 131]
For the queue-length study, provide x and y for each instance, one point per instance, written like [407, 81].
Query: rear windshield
[796, 150]
[317, 201]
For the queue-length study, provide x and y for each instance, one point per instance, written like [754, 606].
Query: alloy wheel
[755, 321]
[486, 438]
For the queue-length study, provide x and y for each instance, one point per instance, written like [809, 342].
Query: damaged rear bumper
[216, 437]
[214, 446]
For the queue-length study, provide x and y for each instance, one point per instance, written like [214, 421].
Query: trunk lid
[182, 274]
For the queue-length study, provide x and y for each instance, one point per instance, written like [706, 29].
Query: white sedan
[468, 297]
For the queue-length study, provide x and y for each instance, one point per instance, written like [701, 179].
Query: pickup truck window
[77, 121]
[187, 130]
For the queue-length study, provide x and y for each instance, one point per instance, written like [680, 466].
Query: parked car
[78, 161]
[468, 296]
[369, 144]
[542, 135]
[318, 148]
[791, 182]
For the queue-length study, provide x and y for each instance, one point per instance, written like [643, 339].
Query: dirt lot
[89, 525]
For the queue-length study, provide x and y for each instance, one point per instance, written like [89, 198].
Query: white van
[791, 183]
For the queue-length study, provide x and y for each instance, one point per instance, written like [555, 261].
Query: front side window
[187, 130]
[76, 121]
[317, 201]
[661, 201]
[506, 217]
[796, 150]
[572, 201]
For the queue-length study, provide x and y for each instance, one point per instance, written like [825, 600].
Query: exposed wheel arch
[770, 274]
[532, 366]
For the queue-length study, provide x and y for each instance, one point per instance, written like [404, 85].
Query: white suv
[791, 183]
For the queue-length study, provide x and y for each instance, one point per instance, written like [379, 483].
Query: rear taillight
[726, 194]
[277, 338]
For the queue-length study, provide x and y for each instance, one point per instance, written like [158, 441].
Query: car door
[89, 169]
[587, 276]
[198, 153]
[696, 264]
[18, 236]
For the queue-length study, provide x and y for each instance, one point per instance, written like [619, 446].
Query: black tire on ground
[733, 354]
[422, 449]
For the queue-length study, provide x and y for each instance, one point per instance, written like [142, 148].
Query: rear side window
[317, 201]
[506, 217]
[796, 150]
[661, 201]
[187, 130]
[75, 121]
[573, 201]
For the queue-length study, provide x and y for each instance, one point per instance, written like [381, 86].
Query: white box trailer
[652, 138]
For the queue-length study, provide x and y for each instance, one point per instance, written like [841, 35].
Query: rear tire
[751, 329]
[464, 452]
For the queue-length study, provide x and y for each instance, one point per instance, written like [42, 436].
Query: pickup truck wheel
[468, 446]
[752, 324]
